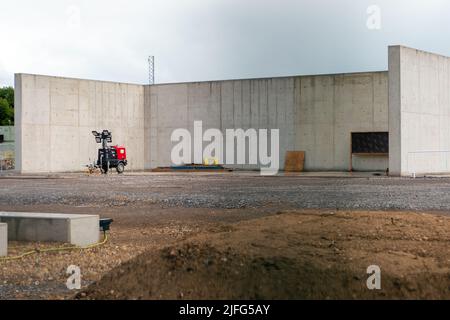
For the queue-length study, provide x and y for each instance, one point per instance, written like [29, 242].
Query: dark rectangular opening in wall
[370, 142]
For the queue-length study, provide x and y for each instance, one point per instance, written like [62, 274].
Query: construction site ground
[237, 236]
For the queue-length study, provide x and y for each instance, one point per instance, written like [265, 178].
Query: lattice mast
[151, 69]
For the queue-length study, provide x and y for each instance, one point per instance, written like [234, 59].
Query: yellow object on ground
[209, 161]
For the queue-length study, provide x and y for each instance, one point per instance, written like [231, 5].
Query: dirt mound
[294, 256]
[194, 271]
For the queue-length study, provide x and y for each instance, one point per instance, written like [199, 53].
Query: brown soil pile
[294, 255]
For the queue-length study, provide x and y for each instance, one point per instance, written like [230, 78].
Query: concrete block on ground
[77, 229]
[3, 239]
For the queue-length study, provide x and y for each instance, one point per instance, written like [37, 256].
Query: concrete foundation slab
[77, 229]
[3, 239]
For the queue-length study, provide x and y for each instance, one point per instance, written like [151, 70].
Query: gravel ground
[230, 191]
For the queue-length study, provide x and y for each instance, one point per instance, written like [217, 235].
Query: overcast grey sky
[211, 39]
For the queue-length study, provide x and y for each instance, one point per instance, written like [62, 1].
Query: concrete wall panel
[8, 133]
[329, 108]
[55, 118]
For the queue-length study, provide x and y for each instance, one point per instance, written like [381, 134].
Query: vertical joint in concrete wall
[395, 148]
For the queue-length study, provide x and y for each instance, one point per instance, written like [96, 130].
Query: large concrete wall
[419, 111]
[55, 116]
[315, 114]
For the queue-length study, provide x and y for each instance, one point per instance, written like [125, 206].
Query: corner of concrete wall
[395, 154]
[419, 111]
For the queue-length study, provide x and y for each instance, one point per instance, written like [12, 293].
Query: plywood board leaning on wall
[295, 161]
